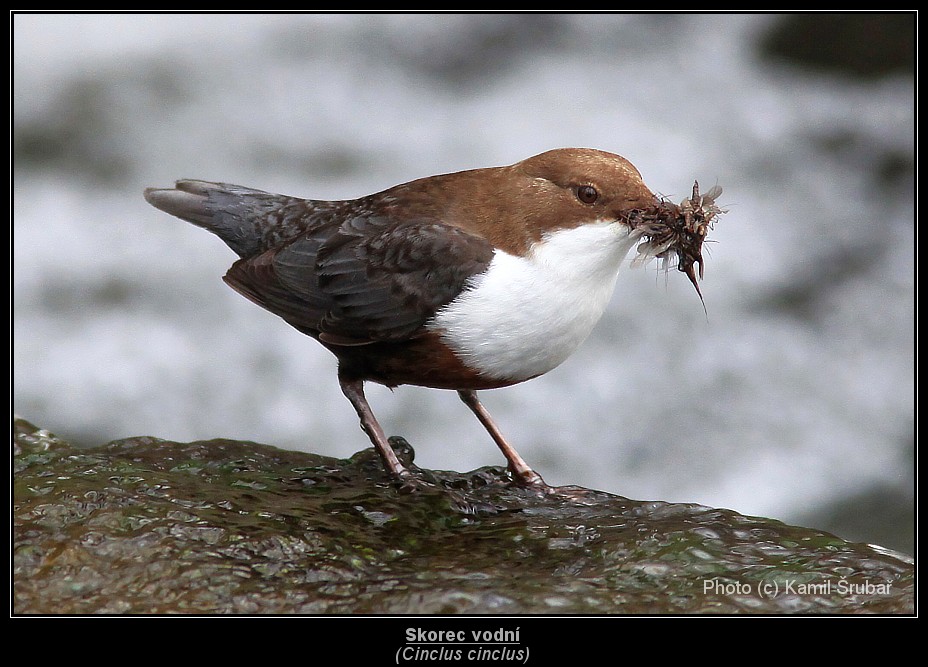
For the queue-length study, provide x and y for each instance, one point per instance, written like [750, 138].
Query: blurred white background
[793, 399]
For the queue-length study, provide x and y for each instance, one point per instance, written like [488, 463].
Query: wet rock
[145, 525]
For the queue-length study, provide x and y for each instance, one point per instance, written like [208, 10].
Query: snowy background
[793, 399]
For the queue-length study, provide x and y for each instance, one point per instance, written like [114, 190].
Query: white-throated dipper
[470, 280]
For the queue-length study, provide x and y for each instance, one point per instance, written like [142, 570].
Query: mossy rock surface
[149, 526]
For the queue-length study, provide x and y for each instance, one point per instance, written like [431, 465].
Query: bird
[464, 281]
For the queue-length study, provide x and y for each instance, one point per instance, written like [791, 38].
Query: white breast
[523, 316]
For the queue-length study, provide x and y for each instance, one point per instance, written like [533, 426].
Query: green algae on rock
[150, 526]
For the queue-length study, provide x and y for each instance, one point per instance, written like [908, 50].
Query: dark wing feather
[258, 278]
[371, 279]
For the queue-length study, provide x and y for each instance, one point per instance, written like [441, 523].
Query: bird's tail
[238, 215]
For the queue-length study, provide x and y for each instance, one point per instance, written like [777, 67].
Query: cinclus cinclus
[471, 280]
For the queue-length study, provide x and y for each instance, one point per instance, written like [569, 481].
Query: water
[795, 392]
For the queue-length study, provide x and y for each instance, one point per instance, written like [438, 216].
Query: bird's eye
[587, 194]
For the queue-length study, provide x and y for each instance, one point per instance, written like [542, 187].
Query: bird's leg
[354, 391]
[520, 469]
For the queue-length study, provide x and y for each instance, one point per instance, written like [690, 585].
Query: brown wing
[370, 279]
